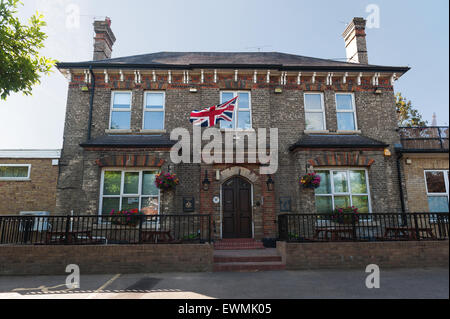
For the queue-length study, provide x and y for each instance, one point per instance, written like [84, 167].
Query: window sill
[316, 131]
[349, 132]
[233, 130]
[151, 132]
[15, 179]
[110, 131]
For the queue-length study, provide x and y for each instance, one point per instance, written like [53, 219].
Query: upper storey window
[154, 107]
[242, 116]
[314, 112]
[120, 111]
[346, 112]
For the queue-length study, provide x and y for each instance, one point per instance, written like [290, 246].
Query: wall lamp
[270, 183]
[206, 181]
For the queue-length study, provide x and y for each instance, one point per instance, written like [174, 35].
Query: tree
[407, 115]
[21, 65]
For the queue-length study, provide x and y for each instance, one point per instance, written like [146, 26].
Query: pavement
[347, 284]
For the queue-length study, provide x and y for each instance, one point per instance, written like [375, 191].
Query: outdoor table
[335, 232]
[408, 232]
[68, 236]
[154, 236]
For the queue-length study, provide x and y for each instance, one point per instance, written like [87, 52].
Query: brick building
[423, 158]
[336, 118]
[28, 180]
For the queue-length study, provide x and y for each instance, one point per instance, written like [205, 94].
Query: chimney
[355, 41]
[103, 40]
[434, 121]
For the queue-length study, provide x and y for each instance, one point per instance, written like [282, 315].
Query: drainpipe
[91, 103]
[400, 185]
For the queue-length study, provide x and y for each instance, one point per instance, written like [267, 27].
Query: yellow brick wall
[416, 191]
[36, 194]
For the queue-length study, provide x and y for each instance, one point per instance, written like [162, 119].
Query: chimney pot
[355, 41]
[104, 39]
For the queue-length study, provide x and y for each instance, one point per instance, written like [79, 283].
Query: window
[437, 190]
[15, 172]
[128, 189]
[343, 188]
[154, 111]
[242, 116]
[345, 112]
[120, 111]
[314, 112]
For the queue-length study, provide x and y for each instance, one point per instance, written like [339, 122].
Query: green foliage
[20, 63]
[407, 115]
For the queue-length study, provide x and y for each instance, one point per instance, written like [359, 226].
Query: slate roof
[191, 60]
[129, 141]
[336, 141]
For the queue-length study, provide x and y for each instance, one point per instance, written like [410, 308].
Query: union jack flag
[212, 115]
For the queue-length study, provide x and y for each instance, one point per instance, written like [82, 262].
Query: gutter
[91, 103]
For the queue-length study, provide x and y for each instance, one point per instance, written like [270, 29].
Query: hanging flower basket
[345, 215]
[310, 180]
[126, 217]
[166, 181]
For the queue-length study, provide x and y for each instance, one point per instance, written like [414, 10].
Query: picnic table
[407, 232]
[336, 233]
[154, 236]
[69, 237]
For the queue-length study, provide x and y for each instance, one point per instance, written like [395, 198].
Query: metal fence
[90, 230]
[424, 138]
[365, 227]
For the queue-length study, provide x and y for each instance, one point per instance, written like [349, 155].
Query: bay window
[341, 188]
[129, 189]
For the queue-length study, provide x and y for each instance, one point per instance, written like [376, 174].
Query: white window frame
[353, 110]
[236, 110]
[349, 192]
[122, 180]
[17, 178]
[163, 110]
[322, 101]
[446, 181]
[119, 109]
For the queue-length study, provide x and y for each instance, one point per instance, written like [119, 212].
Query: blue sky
[411, 33]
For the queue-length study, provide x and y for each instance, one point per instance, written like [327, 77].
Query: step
[246, 255]
[233, 244]
[249, 266]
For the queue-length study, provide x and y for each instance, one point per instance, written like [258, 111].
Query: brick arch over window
[129, 161]
[341, 159]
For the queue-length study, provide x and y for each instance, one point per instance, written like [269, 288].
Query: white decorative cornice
[299, 78]
[255, 76]
[121, 75]
[105, 72]
[169, 77]
[236, 72]
[358, 78]
[344, 78]
[37, 153]
[153, 76]
[313, 79]
[268, 76]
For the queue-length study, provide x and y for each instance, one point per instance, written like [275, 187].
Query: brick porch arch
[239, 171]
[341, 159]
[129, 161]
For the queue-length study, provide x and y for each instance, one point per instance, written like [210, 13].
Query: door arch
[236, 208]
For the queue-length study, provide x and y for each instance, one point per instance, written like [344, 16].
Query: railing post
[66, 238]
[2, 231]
[141, 221]
[27, 225]
[416, 226]
[283, 227]
[209, 228]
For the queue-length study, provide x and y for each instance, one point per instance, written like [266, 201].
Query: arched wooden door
[236, 209]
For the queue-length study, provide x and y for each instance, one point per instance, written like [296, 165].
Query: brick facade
[79, 181]
[414, 177]
[36, 194]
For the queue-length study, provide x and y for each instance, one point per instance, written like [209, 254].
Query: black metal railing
[364, 227]
[424, 138]
[90, 230]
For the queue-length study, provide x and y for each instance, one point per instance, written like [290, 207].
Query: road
[394, 283]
